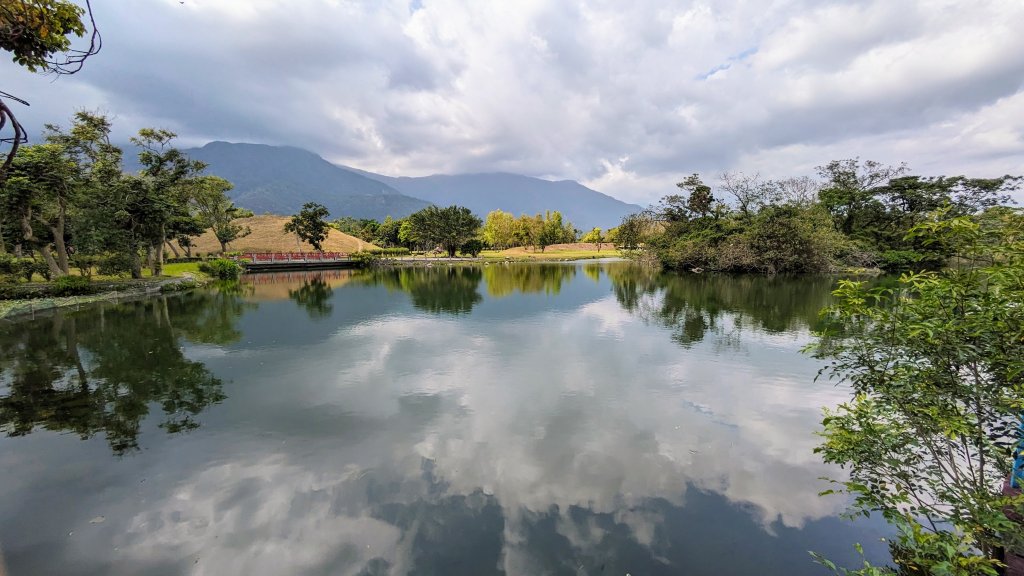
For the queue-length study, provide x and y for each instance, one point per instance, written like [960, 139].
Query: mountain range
[280, 179]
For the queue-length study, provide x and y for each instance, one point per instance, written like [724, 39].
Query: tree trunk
[136, 263]
[60, 249]
[33, 242]
[173, 249]
[158, 259]
[57, 230]
[223, 246]
[58, 237]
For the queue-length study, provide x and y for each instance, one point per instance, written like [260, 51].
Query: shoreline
[124, 290]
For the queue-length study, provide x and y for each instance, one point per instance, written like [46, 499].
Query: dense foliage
[35, 31]
[221, 268]
[448, 227]
[310, 224]
[67, 202]
[937, 368]
[857, 215]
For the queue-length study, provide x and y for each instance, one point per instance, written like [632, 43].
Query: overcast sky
[626, 97]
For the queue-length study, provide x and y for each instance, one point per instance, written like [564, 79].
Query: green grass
[175, 270]
[179, 269]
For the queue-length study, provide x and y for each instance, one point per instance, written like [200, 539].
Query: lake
[523, 419]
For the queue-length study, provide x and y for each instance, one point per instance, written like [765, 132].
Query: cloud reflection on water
[550, 418]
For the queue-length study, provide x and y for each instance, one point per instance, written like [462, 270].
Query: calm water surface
[508, 419]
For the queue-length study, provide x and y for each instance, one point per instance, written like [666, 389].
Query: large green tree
[448, 227]
[38, 192]
[217, 212]
[699, 200]
[499, 229]
[850, 189]
[935, 365]
[310, 224]
[170, 179]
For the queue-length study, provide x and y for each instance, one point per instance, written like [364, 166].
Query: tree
[935, 365]
[499, 229]
[849, 190]
[388, 234]
[528, 230]
[633, 231]
[552, 230]
[310, 224]
[217, 212]
[169, 176]
[612, 236]
[365, 229]
[594, 237]
[472, 247]
[700, 202]
[801, 191]
[750, 192]
[448, 227]
[39, 191]
[790, 239]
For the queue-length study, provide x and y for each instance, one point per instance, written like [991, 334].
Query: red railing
[259, 257]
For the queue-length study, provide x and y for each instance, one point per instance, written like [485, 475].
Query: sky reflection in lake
[517, 419]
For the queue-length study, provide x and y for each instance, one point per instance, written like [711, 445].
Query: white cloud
[567, 90]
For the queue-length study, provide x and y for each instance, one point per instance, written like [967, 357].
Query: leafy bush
[85, 263]
[27, 268]
[902, 260]
[72, 286]
[935, 366]
[365, 259]
[12, 269]
[472, 247]
[401, 251]
[221, 268]
[114, 264]
[895, 260]
[8, 270]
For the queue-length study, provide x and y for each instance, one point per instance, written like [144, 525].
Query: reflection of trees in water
[451, 289]
[454, 289]
[503, 279]
[314, 295]
[696, 304]
[100, 370]
[593, 271]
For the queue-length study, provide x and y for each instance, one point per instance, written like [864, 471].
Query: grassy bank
[176, 277]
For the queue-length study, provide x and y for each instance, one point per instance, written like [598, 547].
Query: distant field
[268, 236]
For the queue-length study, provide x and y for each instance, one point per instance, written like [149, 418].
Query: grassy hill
[268, 235]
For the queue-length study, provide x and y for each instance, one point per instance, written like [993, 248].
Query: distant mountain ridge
[482, 193]
[280, 179]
